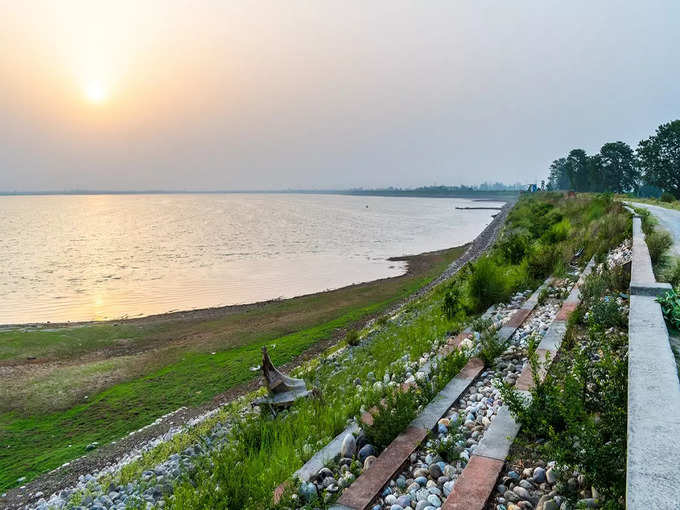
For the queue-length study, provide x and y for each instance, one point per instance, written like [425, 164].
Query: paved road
[669, 219]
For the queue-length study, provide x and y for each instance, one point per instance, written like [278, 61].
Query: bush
[606, 313]
[452, 306]
[488, 283]
[672, 273]
[515, 247]
[395, 412]
[352, 337]
[541, 261]
[558, 232]
[667, 196]
[658, 242]
[670, 305]
[490, 344]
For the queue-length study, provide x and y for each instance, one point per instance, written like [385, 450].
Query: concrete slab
[429, 417]
[653, 477]
[552, 339]
[328, 452]
[474, 485]
[359, 495]
[641, 273]
[499, 436]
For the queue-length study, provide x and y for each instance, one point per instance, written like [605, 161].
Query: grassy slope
[32, 443]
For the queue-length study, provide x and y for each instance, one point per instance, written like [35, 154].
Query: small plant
[448, 447]
[672, 273]
[658, 242]
[670, 305]
[488, 283]
[352, 337]
[667, 196]
[606, 313]
[490, 344]
[395, 412]
[543, 296]
[452, 305]
[515, 247]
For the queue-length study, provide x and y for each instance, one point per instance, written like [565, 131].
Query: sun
[96, 92]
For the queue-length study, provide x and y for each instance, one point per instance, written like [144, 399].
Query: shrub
[352, 337]
[490, 344]
[606, 313]
[452, 305]
[667, 196]
[394, 414]
[672, 273]
[515, 247]
[541, 261]
[488, 284]
[658, 242]
[558, 232]
[670, 305]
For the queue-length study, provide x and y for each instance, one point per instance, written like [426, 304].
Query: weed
[667, 197]
[670, 305]
[352, 337]
[490, 344]
[394, 414]
[658, 242]
[672, 273]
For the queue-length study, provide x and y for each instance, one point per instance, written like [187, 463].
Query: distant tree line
[653, 168]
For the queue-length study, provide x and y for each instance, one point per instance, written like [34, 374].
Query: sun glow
[96, 92]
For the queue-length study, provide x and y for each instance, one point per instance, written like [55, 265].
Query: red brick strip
[474, 485]
[526, 379]
[360, 494]
[518, 317]
[566, 310]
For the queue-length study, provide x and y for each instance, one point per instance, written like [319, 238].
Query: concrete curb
[652, 474]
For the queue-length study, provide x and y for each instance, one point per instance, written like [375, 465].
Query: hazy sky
[318, 94]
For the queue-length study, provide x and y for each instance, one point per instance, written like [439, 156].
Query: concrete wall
[653, 459]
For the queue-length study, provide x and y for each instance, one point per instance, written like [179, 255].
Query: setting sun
[96, 92]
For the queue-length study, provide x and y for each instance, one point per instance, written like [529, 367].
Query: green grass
[38, 442]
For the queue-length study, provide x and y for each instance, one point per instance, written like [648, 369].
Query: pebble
[349, 446]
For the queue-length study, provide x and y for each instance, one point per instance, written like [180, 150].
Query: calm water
[69, 258]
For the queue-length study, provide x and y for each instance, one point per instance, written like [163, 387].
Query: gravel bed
[428, 478]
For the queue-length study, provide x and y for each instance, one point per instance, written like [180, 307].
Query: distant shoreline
[430, 192]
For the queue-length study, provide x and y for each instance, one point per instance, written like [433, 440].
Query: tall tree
[578, 170]
[659, 158]
[617, 168]
[558, 175]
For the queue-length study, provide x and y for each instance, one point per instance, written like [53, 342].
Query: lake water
[95, 257]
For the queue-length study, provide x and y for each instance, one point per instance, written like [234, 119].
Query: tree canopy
[619, 169]
[659, 158]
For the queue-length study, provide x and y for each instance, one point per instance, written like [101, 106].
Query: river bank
[97, 382]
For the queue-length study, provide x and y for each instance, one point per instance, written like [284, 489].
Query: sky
[318, 94]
